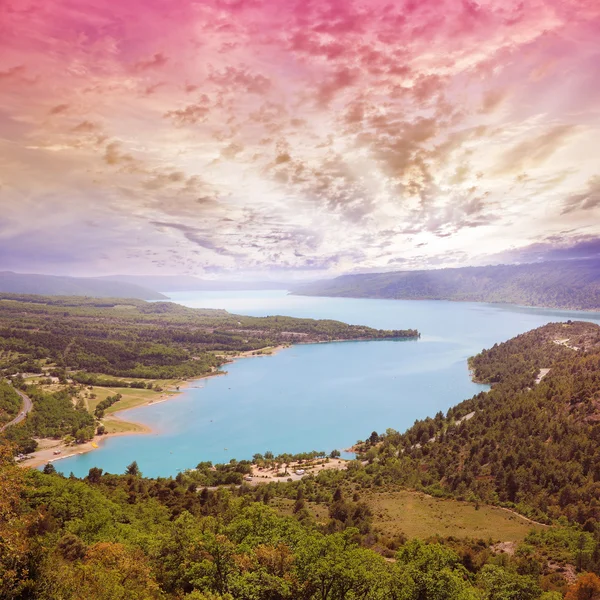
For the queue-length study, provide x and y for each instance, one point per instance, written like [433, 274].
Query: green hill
[562, 284]
[529, 445]
[51, 285]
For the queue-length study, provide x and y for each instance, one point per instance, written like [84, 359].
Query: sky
[297, 138]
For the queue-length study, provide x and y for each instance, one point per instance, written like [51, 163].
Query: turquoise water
[318, 396]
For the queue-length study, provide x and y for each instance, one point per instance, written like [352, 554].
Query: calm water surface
[318, 396]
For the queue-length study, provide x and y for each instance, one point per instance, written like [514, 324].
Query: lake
[317, 396]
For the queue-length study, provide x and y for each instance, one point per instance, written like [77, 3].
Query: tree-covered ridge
[10, 402]
[533, 445]
[146, 340]
[529, 443]
[124, 536]
[529, 352]
[573, 284]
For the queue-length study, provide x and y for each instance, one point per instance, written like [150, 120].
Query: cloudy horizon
[301, 139]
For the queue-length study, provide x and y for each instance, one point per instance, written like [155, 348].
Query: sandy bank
[47, 447]
[311, 467]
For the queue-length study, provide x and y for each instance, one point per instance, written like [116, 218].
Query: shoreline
[45, 452]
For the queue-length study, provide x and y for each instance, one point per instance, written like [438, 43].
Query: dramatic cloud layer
[197, 136]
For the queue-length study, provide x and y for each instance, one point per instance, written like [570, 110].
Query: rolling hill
[559, 284]
[52, 285]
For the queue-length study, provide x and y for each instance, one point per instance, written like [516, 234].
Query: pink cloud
[364, 111]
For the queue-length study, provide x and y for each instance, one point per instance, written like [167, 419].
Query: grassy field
[285, 507]
[418, 515]
[117, 426]
[131, 397]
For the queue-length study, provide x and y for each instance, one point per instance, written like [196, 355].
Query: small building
[300, 471]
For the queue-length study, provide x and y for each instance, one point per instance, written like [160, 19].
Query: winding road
[26, 408]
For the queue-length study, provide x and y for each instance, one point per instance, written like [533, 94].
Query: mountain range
[569, 284]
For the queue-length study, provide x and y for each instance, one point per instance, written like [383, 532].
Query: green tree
[502, 584]
[95, 475]
[214, 565]
[108, 571]
[133, 469]
[49, 469]
[431, 572]
[71, 547]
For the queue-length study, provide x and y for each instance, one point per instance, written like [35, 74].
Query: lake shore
[47, 446]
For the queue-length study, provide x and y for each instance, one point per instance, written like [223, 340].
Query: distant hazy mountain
[561, 284]
[51, 285]
[187, 283]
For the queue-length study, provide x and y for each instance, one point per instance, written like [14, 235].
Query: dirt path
[541, 375]
[514, 512]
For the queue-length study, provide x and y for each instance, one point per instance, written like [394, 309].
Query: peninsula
[81, 360]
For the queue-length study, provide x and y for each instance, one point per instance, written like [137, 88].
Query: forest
[573, 284]
[54, 415]
[126, 343]
[10, 403]
[129, 537]
[137, 339]
[529, 445]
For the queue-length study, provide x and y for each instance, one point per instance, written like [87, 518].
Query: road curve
[25, 410]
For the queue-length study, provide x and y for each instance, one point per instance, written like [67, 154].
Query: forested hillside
[532, 442]
[124, 536]
[132, 338]
[571, 284]
[54, 415]
[10, 403]
[76, 343]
